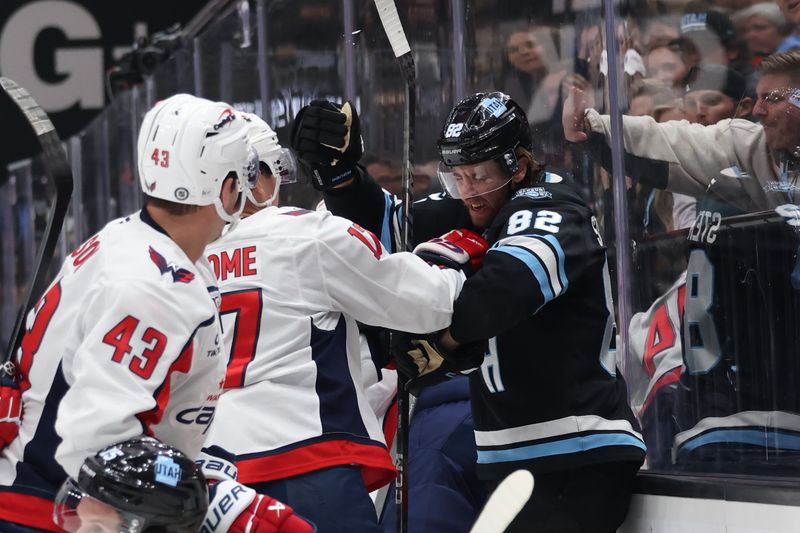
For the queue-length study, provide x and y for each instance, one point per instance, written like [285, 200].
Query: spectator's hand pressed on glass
[573, 116]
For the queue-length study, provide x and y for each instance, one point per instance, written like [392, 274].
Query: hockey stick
[56, 165]
[402, 51]
[505, 503]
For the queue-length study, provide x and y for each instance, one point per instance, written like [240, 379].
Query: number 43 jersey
[294, 283]
[124, 342]
[547, 396]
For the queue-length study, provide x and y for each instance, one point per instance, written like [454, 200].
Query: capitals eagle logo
[179, 275]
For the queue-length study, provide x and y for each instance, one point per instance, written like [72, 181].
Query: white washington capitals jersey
[293, 285]
[125, 341]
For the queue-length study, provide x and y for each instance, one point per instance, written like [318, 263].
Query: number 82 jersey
[547, 396]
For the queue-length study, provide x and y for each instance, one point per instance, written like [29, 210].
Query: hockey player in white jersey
[294, 283]
[126, 340]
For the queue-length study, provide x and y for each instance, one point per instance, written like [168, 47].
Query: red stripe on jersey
[670, 377]
[182, 364]
[28, 510]
[376, 464]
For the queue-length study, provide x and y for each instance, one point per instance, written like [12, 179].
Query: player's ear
[228, 193]
[523, 163]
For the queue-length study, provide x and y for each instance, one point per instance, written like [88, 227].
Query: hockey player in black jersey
[544, 311]
[547, 397]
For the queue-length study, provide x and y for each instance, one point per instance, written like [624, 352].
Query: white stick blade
[392, 26]
[505, 503]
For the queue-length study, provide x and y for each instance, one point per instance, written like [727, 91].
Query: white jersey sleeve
[399, 291]
[694, 153]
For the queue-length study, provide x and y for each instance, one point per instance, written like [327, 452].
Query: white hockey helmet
[280, 161]
[186, 148]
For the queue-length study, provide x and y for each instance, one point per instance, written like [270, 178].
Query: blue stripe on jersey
[39, 473]
[534, 264]
[562, 273]
[338, 403]
[537, 265]
[756, 437]
[561, 447]
[386, 233]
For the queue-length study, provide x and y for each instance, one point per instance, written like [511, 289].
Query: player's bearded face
[483, 187]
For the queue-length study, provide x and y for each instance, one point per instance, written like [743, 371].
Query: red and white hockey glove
[10, 408]
[460, 249]
[236, 508]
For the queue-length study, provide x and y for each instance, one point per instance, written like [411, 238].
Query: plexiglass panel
[704, 200]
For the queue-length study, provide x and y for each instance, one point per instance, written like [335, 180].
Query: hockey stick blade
[505, 503]
[390, 20]
[57, 167]
[387, 11]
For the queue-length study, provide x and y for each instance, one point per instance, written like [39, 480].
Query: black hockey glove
[426, 362]
[327, 139]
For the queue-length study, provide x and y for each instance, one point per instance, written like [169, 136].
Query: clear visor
[77, 512]
[469, 181]
[283, 165]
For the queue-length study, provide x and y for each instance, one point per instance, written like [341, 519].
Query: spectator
[666, 60]
[714, 93]
[531, 67]
[791, 10]
[763, 28]
[715, 41]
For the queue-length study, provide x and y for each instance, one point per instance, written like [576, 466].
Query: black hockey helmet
[484, 126]
[139, 485]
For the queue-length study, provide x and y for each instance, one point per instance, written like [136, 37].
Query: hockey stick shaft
[57, 167]
[387, 10]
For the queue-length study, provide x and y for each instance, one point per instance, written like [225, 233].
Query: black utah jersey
[547, 396]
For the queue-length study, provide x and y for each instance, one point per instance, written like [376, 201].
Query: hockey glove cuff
[236, 508]
[217, 464]
[10, 408]
[459, 249]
